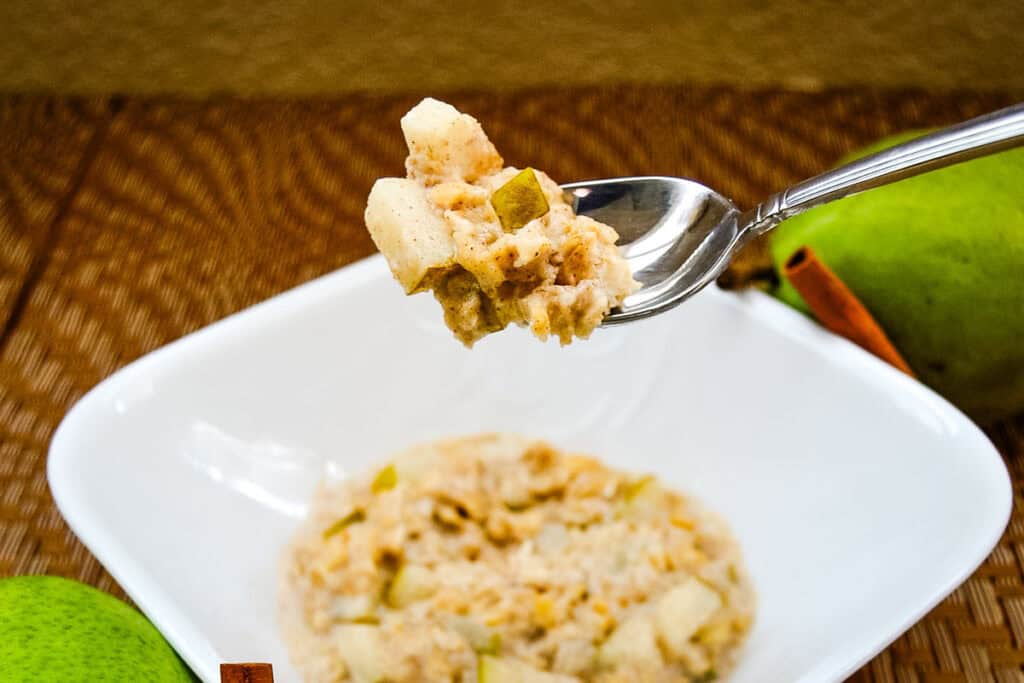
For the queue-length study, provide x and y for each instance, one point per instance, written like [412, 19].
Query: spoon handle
[977, 137]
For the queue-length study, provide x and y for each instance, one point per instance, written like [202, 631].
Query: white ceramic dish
[860, 497]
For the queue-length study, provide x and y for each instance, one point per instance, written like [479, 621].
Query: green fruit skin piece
[938, 259]
[519, 201]
[54, 630]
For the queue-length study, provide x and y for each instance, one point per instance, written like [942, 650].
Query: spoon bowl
[676, 234]
[679, 235]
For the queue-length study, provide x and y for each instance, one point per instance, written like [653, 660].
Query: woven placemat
[125, 224]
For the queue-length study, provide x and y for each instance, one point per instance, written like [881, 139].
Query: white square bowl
[860, 497]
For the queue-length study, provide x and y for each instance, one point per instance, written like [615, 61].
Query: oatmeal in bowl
[500, 559]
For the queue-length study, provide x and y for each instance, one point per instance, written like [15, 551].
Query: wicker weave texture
[125, 224]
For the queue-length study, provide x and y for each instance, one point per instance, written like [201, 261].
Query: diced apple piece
[633, 643]
[363, 652]
[411, 583]
[682, 611]
[519, 201]
[445, 144]
[505, 670]
[407, 230]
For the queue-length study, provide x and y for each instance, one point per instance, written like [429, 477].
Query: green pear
[60, 631]
[938, 259]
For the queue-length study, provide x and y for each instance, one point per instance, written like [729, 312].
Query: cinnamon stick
[837, 308]
[246, 673]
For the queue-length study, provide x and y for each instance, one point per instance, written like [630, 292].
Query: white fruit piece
[354, 607]
[682, 611]
[413, 238]
[482, 639]
[506, 670]
[445, 144]
[411, 583]
[363, 652]
[634, 643]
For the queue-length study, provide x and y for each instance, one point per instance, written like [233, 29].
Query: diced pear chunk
[642, 499]
[505, 670]
[363, 652]
[682, 611]
[482, 639]
[411, 583]
[519, 201]
[633, 643]
[355, 607]
[407, 230]
[445, 144]
[385, 480]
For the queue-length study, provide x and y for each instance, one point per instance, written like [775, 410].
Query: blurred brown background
[302, 47]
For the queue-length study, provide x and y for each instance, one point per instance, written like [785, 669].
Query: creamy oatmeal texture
[497, 559]
[491, 257]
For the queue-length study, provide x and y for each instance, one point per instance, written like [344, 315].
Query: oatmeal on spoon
[497, 245]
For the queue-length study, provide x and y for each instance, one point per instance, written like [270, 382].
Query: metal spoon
[679, 235]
